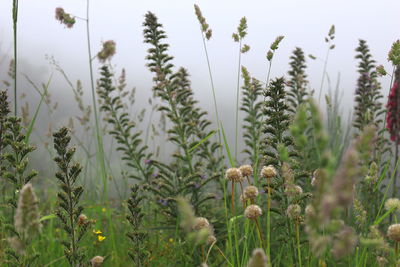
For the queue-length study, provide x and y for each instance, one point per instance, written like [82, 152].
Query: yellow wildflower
[97, 232]
[100, 238]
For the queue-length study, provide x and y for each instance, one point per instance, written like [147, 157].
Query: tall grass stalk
[237, 100]
[15, 20]
[99, 135]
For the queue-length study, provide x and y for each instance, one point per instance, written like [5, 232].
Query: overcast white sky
[303, 23]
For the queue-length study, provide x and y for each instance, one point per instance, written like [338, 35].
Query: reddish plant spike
[393, 110]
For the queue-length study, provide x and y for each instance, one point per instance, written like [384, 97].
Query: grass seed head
[394, 232]
[250, 192]
[268, 172]
[246, 170]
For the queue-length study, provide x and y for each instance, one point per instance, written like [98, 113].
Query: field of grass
[308, 189]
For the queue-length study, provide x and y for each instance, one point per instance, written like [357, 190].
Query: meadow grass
[307, 190]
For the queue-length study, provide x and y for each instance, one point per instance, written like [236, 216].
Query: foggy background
[303, 23]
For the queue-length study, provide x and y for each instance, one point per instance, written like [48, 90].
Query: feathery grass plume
[107, 52]
[26, 219]
[69, 210]
[297, 82]
[252, 106]
[238, 37]
[26, 226]
[276, 122]
[258, 259]
[205, 28]
[360, 214]
[139, 253]
[17, 157]
[124, 129]
[274, 46]
[64, 17]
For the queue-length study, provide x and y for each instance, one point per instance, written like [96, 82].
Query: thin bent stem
[213, 89]
[259, 232]
[100, 148]
[323, 74]
[237, 101]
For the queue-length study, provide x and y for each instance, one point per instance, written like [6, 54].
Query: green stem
[213, 90]
[298, 243]
[323, 73]
[15, 18]
[237, 101]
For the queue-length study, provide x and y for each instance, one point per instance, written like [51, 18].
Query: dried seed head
[201, 223]
[211, 239]
[268, 172]
[82, 220]
[293, 190]
[107, 52]
[97, 261]
[394, 232]
[293, 211]
[64, 18]
[250, 192]
[253, 212]
[234, 175]
[246, 170]
[392, 204]
[258, 259]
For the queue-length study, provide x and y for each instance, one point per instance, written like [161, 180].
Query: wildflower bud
[201, 223]
[246, 170]
[97, 261]
[252, 212]
[293, 211]
[268, 172]
[392, 204]
[82, 220]
[234, 175]
[211, 240]
[394, 232]
[250, 192]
